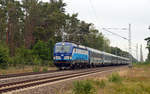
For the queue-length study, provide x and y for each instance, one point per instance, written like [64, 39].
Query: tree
[2, 22]
[148, 47]
[32, 16]
[50, 21]
[11, 12]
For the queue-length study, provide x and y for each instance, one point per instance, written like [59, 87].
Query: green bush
[36, 61]
[36, 69]
[101, 84]
[115, 77]
[51, 64]
[3, 56]
[22, 57]
[16, 61]
[83, 87]
[45, 69]
[141, 64]
[25, 55]
[42, 50]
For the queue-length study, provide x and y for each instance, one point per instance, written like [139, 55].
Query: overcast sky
[116, 14]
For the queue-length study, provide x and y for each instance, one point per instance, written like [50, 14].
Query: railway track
[28, 83]
[25, 74]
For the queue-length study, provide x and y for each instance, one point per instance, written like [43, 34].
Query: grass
[136, 81]
[84, 87]
[133, 81]
[115, 77]
[14, 70]
[100, 84]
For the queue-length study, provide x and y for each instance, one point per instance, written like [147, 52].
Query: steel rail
[25, 74]
[23, 84]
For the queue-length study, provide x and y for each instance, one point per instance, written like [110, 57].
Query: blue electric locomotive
[70, 55]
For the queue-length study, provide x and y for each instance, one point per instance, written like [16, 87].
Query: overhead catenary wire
[115, 34]
[105, 29]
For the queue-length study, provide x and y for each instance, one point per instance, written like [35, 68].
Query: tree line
[30, 28]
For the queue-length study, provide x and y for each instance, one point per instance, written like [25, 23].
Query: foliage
[141, 64]
[36, 69]
[26, 54]
[88, 86]
[45, 69]
[98, 84]
[50, 63]
[83, 87]
[3, 56]
[42, 50]
[101, 83]
[115, 77]
[148, 47]
[23, 56]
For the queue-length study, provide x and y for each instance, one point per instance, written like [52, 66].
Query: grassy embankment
[130, 81]
[34, 68]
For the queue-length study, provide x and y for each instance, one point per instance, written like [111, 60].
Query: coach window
[74, 50]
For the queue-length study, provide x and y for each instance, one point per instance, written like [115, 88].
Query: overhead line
[102, 26]
[115, 34]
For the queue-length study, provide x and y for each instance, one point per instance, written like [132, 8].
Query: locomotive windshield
[62, 49]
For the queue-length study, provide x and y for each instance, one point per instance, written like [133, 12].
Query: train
[69, 55]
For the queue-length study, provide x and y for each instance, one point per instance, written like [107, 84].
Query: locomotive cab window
[62, 49]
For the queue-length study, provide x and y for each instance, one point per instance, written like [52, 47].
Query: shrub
[83, 87]
[141, 63]
[101, 83]
[3, 56]
[36, 69]
[115, 77]
[22, 57]
[4, 65]
[36, 60]
[45, 69]
[4, 73]
[17, 60]
[25, 54]
[42, 50]
[51, 64]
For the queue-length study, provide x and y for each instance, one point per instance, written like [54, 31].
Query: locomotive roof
[68, 43]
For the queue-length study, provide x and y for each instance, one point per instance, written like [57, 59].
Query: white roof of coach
[123, 58]
[105, 53]
[81, 46]
[94, 50]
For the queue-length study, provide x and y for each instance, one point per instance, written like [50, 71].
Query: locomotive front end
[62, 55]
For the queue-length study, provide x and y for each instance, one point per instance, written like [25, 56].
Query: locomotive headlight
[70, 57]
[58, 57]
[54, 57]
[66, 57]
